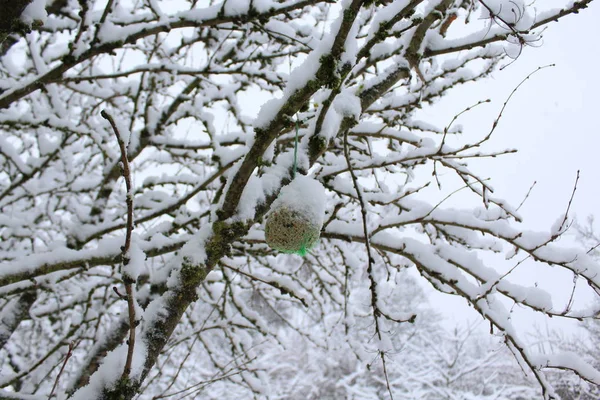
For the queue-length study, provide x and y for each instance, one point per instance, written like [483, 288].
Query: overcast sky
[553, 122]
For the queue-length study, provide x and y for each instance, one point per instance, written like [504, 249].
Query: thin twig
[593, 248]
[100, 24]
[276, 285]
[128, 281]
[373, 283]
[385, 374]
[497, 120]
[69, 354]
[527, 195]
[566, 217]
[447, 128]
[363, 212]
[572, 296]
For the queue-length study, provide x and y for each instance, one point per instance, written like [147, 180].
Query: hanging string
[295, 166]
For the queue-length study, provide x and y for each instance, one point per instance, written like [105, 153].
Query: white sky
[553, 122]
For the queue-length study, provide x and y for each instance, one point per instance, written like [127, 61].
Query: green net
[291, 232]
[302, 251]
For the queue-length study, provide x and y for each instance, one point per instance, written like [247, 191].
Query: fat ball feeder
[294, 223]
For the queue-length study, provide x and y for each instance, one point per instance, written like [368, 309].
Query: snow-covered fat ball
[296, 217]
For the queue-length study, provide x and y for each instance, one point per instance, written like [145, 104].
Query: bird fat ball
[290, 231]
[296, 217]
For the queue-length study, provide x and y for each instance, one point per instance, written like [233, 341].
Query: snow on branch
[215, 106]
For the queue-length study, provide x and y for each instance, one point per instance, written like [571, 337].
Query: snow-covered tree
[586, 340]
[136, 183]
[425, 361]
